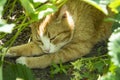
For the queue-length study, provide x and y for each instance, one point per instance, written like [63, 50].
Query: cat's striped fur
[63, 36]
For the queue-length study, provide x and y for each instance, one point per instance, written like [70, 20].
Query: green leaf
[1, 71]
[117, 18]
[77, 64]
[114, 47]
[99, 66]
[28, 6]
[15, 71]
[115, 5]
[2, 2]
[99, 4]
[109, 76]
[45, 10]
[41, 1]
[7, 28]
[53, 1]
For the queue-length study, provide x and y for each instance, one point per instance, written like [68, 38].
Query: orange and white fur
[63, 36]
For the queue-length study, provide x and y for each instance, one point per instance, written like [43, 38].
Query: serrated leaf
[99, 66]
[15, 71]
[77, 64]
[114, 47]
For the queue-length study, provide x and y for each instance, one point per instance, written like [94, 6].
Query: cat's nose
[47, 50]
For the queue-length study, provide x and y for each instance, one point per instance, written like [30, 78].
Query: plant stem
[12, 41]
[93, 58]
[11, 10]
[1, 75]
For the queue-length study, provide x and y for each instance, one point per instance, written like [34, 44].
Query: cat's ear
[63, 9]
[65, 14]
[62, 12]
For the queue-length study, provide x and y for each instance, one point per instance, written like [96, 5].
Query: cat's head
[55, 31]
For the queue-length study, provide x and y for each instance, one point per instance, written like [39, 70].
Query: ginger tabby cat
[63, 36]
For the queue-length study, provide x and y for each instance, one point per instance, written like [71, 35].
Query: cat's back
[89, 21]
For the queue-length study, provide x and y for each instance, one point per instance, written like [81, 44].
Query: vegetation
[103, 67]
[60, 68]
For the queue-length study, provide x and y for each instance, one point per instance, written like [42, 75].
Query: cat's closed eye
[61, 37]
[40, 42]
[59, 34]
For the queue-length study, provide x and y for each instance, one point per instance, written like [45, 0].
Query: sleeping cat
[63, 36]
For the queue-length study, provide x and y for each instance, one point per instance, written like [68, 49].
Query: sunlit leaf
[77, 64]
[77, 75]
[109, 76]
[7, 28]
[41, 1]
[99, 4]
[45, 10]
[53, 1]
[114, 47]
[2, 2]
[60, 1]
[115, 5]
[28, 6]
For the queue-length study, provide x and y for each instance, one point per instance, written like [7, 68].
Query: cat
[66, 35]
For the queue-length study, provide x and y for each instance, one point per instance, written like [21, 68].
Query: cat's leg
[29, 49]
[68, 53]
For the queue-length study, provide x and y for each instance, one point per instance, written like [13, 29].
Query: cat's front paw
[22, 60]
[11, 53]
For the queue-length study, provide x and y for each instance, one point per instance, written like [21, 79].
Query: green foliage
[114, 47]
[4, 27]
[114, 52]
[60, 68]
[115, 5]
[114, 44]
[17, 71]
[90, 68]
[36, 11]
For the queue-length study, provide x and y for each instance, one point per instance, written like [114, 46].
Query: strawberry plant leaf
[15, 71]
